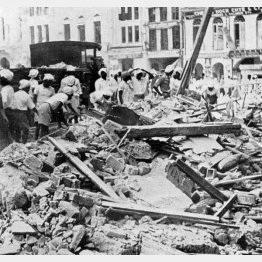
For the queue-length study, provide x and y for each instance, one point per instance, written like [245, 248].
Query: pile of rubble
[79, 193]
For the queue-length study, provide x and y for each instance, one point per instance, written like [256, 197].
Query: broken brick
[114, 163]
[78, 234]
[131, 170]
[71, 210]
[33, 163]
[83, 201]
[20, 227]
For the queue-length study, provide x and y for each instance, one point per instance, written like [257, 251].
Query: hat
[129, 70]
[33, 73]
[48, 77]
[69, 80]
[179, 70]
[139, 71]
[23, 84]
[169, 69]
[68, 90]
[125, 74]
[7, 74]
[103, 69]
[210, 83]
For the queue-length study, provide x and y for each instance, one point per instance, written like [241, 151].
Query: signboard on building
[227, 11]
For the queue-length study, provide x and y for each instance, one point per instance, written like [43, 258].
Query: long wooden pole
[198, 43]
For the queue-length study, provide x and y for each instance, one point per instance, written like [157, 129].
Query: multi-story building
[238, 27]
[146, 37]
[129, 36]
[42, 24]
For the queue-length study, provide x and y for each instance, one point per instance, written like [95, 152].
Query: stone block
[83, 201]
[114, 163]
[71, 209]
[20, 227]
[33, 163]
[78, 234]
[131, 170]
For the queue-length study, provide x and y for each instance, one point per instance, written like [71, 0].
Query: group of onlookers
[39, 99]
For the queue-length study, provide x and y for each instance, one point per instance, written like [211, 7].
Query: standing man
[102, 82]
[7, 93]
[140, 83]
[33, 73]
[162, 85]
[23, 102]
[41, 94]
[126, 90]
[210, 94]
[175, 80]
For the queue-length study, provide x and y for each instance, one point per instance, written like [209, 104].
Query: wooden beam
[200, 181]
[132, 209]
[84, 169]
[181, 129]
[233, 181]
[187, 72]
[226, 206]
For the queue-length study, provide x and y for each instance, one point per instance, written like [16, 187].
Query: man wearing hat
[162, 85]
[52, 107]
[102, 82]
[33, 73]
[73, 82]
[7, 93]
[126, 90]
[22, 102]
[210, 93]
[140, 83]
[41, 94]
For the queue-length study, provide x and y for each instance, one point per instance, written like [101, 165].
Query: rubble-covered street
[85, 192]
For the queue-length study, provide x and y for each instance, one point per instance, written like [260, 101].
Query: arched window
[218, 39]
[239, 26]
[259, 31]
[196, 25]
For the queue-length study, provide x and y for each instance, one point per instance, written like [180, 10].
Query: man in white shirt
[102, 82]
[22, 102]
[52, 107]
[7, 93]
[33, 73]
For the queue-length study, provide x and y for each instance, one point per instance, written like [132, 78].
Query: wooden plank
[84, 169]
[233, 181]
[157, 212]
[200, 181]
[226, 206]
[181, 130]
[187, 72]
[234, 150]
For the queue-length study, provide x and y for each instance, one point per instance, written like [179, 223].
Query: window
[3, 25]
[46, 10]
[152, 14]
[196, 25]
[82, 32]
[239, 25]
[123, 10]
[32, 33]
[163, 13]
[136, 11]
[175, 13]
[164, 39]
[122, 15]
[129, 13]
[67, 32]
[259, 31]
[40, 37]
[136, 33]
[123, 30]
[46, 33]
[97, 30]
[39, 10]
[130, 34]
[31, 11]
[152, 39]
[176, 36]
[218, 35]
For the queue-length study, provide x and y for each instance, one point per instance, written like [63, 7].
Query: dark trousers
[21, 127]
[11, 116]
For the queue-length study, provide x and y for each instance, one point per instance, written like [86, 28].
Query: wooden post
[198, 43]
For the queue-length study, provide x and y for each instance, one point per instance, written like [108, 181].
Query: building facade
[129, 36]
[232, 44]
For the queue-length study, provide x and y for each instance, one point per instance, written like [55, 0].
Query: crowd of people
[41, 100]
[121, 88]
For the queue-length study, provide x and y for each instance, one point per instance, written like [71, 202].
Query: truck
[82, 55]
